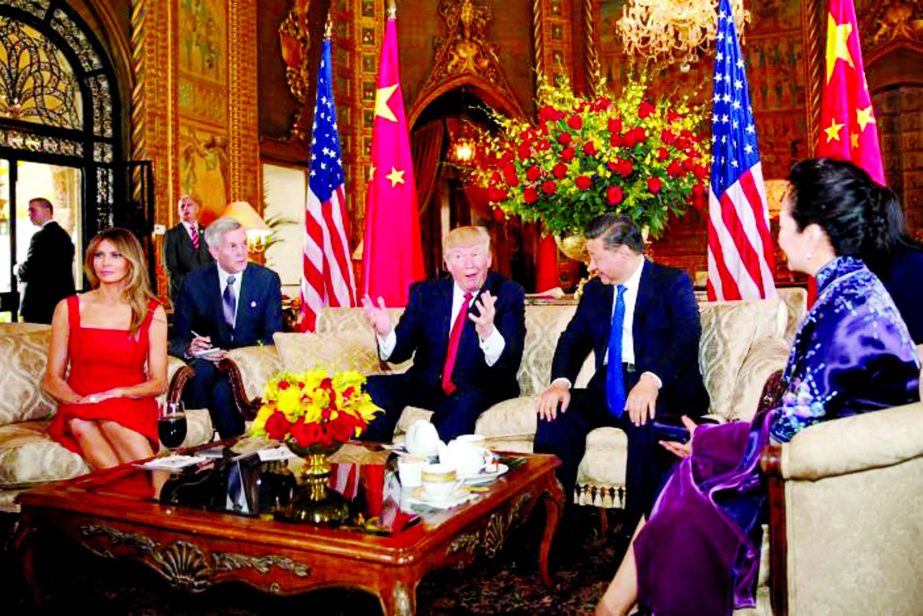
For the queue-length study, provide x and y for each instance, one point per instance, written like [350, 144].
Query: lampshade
[243, 212]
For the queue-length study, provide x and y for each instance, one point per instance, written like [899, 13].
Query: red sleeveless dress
[101, 359]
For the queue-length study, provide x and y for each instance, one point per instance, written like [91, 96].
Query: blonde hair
[466, 236]
[137, 291]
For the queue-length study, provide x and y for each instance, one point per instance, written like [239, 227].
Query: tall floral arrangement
[583, 157]
[314, 408]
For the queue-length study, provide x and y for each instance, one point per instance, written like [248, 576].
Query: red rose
[688, 164]
[645, 109]
[568, 154]
[672, 116]
[509, 174]
[498, 215]
[629, 139]
[530, 195]
[674, 169]
[589, 148]
[667, 137]
[523, 151]
[616, 140]
[342, 429]
[614, 195]
[625, 168]
[299, 432]
[614, 125]
[583, 182]
[559, 171]
[601, 104]
[662, 154]
[613, 165]
[549, 187]
[277, 426]
[497, 194]
[640, 135]
[699, 198]
[542, 145]
[547, 113]
[575, 122]
[565, 138]
[654, 185]
[283, 385]
[700, 171]
[533, 173]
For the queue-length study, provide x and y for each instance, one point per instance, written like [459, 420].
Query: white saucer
[459, 496]
[483, 478]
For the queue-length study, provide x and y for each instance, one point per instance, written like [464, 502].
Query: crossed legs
[107, 443]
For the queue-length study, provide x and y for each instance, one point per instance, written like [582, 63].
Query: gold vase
[315, 502]
[573, 245]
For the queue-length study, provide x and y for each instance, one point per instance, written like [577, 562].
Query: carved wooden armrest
[178, 382]
[246, 407]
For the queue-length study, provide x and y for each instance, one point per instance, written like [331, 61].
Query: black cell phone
[671, 428]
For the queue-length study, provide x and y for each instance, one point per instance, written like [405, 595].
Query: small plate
[483, 478]
[459, 496]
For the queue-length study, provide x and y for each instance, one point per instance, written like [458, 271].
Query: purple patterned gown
[699, 552]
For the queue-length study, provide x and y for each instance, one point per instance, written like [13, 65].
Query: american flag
[740, 246]
[327, 278]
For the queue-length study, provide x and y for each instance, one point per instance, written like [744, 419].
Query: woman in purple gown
[699, 552]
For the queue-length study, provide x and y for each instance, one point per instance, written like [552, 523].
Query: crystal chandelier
[672, 31]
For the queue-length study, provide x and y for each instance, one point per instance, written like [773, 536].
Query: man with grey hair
[229, 304]
[184, 248]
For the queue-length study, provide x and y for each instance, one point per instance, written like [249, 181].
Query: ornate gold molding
[465, 56]
[295, 41]
[591, 44]
[243, 133]
[813, 37]
[891, 24]
[538, 37]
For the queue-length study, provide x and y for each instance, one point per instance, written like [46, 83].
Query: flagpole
[392, 9]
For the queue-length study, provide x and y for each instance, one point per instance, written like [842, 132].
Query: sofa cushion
[515, 418]
[28, 456]
[353, 349]
[257, 364]
[544, 324]
[764, 357]
[728, 329]
[23, 355]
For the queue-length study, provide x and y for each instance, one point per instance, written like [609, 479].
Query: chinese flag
[847, 120]
[848, 128]
[392, 257]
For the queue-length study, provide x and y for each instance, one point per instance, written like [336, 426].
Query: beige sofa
[742, 344]
[27, 456]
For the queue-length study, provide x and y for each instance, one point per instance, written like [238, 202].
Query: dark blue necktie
[615, 382]
[229, 303]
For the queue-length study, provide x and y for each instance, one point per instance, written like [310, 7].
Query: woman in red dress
[114, 340]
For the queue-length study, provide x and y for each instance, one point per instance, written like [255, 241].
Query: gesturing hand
[682, 450]
[377, 316]
[484, 319]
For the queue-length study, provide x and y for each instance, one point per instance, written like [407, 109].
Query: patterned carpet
[75, 581]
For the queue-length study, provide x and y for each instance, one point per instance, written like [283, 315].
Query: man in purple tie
[465, 334]
[229, 304]
[641, 321]
[184, 247]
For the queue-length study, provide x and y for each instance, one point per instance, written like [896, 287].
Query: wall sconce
[258, 231]
[463, 150]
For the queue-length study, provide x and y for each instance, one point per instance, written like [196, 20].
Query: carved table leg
[398, 600]
[554, 506]
[24, 544]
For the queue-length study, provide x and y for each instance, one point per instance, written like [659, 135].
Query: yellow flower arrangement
[314, 408]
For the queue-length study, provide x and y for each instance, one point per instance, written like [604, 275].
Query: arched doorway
[60, 134]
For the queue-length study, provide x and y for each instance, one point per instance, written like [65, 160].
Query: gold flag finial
[392, 9]
[328, 27]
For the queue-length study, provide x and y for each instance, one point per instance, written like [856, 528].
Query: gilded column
[243, 115]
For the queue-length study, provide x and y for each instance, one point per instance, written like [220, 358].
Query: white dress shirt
[628, 341]
[223, 284]
[492, 346]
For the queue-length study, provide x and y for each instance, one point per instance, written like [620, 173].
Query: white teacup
[439, 481]
[409, 469]
[466, 454]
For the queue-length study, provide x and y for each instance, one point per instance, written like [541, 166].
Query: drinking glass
[171, 425]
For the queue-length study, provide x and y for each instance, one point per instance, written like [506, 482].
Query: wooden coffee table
[194, 549]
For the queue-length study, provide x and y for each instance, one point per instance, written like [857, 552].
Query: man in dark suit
[640, 319]
[226, 305]
[184, 248]
[465, 334]
[48, 268]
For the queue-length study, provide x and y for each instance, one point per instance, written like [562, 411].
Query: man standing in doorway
[48, 269]
[184, 248]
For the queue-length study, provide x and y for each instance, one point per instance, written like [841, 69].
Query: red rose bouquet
[584, 157]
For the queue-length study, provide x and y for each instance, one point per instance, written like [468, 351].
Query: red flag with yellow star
[848, 128]
[392, 256]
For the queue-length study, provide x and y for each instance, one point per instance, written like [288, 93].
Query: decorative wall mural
[203, 71]
[204, 169]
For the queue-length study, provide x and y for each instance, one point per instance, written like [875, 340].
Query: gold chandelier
[672, 31]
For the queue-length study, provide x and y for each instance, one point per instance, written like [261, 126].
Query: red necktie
[195, 237]
[447, 385]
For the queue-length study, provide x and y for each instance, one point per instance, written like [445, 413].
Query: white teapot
[466, 454]
[422, 438]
